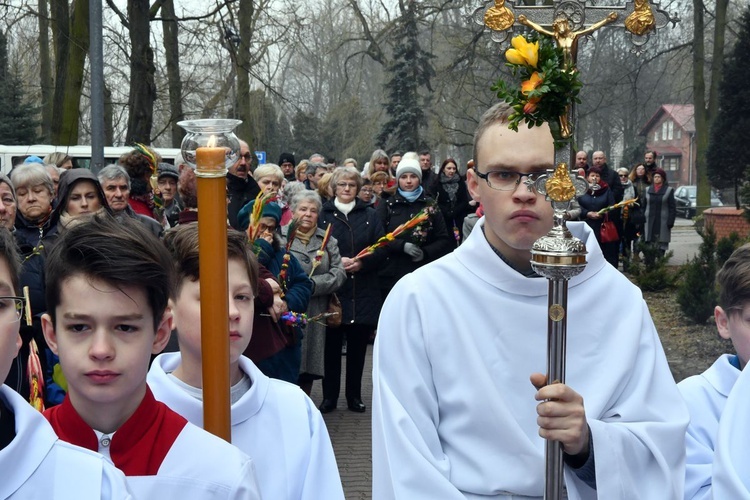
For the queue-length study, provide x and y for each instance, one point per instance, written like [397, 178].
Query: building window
[664, 131]
[670, 130]
[678, 133]
[656, 136]
[671, 163]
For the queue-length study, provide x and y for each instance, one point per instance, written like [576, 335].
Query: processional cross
[559, 256]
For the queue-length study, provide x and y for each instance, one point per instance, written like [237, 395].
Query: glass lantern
[210, 146]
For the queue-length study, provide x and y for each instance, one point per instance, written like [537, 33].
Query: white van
[12, 155]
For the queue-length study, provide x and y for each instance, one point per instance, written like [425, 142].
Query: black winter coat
[395, 211]
[454, 212]
[239, 192]
[360, 293]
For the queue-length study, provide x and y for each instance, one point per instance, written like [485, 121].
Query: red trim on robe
[138, 447]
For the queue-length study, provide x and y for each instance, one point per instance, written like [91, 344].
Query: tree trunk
[142, 87]
[45, 72]
[72, 46]
[245, 131]
[172, 52]
[706, 110]
[109, 118]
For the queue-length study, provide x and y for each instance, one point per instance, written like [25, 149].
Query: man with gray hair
[115, 182]
[241, 187]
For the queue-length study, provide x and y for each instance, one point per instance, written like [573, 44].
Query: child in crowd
[706, 394]
[271, 419]
[34, 463]
[108, 285]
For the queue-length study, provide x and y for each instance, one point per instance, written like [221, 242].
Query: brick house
[671, 133]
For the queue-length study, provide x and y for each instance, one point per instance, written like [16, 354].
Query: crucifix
[559, 256]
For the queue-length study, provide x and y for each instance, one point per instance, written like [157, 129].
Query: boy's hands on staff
[561, 415]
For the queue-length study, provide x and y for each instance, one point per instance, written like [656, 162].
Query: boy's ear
[722, 322]
[49, 332]
[163, 332]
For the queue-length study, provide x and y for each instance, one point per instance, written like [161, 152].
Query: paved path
[685, 242]
[351, 435]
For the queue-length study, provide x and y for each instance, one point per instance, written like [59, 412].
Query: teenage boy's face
[735, 325]
[514, 219]
[186, 309]
[10, 340]
[104, 337]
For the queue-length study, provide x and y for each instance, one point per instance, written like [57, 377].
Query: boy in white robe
[272, 420]
[460, 409]
[706, 394]
[34, 463]
[107, 289]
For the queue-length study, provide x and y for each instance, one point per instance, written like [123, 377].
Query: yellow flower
[533, 82]
[523, 52]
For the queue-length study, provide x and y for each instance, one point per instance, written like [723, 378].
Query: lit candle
[210, 158]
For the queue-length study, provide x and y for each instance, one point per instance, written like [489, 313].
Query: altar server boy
[272, 421]
[108, 284]
[34, 463]
[706, 394]
[461, 407]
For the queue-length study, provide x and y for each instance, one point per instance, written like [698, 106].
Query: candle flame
[211, 142]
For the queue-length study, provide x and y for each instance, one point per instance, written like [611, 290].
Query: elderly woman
[285, 364]
[327, 277]
[8, 206]
[355, 227]
[599, 196]
[270, 178]
[35, 230]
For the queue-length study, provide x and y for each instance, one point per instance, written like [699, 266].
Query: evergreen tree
[17, 123]
[409, 70]
[306, 135]
[728, 157]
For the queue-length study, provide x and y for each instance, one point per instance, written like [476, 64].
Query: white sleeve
[114, 486]
[407, 457]
[322, 478]
[639, 439]
[699, 441]
[731, 470]
[246, 487]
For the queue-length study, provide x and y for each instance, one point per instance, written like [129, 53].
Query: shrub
[725, 247]
[651, 273]
[696, 292]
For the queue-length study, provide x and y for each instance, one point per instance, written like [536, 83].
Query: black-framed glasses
[11, 308]
[248, 157]
[505, 180]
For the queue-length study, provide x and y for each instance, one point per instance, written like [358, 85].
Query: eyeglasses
[503, 180]
[623, 176]
[248, 157]
[346, 185]
[366, 191]
[11, 309]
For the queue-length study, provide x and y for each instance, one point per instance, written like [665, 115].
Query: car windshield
[691, 191]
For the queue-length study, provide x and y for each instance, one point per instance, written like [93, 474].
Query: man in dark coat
[241, 187]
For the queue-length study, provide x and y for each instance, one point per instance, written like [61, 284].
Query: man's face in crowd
[316, 177]
[117, 193]
[395, 160]
[515, 219]
[287, 168]
[167, 188]
[242, 167]
[424, 162]
[581, 159]
[599, 159]
[649, 158]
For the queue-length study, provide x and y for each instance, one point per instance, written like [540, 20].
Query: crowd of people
[108, 357]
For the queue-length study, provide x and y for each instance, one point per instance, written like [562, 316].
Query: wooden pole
[212, 244]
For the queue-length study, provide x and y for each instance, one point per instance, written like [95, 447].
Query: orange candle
[211, 159]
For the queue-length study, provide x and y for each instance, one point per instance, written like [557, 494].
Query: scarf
[305, 237]
[345, 208]
[450, 185]
[411, 196]
[67, 221]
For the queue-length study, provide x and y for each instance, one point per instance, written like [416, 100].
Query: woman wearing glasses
[426, 242]
[355, 227]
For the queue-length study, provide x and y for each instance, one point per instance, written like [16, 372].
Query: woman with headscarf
[660, 211]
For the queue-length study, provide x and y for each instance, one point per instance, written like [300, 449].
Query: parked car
[684, 197]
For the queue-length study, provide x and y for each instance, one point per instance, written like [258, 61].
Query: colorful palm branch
[253, 229]
[290, 235]
[621, 204]
[422, 216]
[321, 252]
